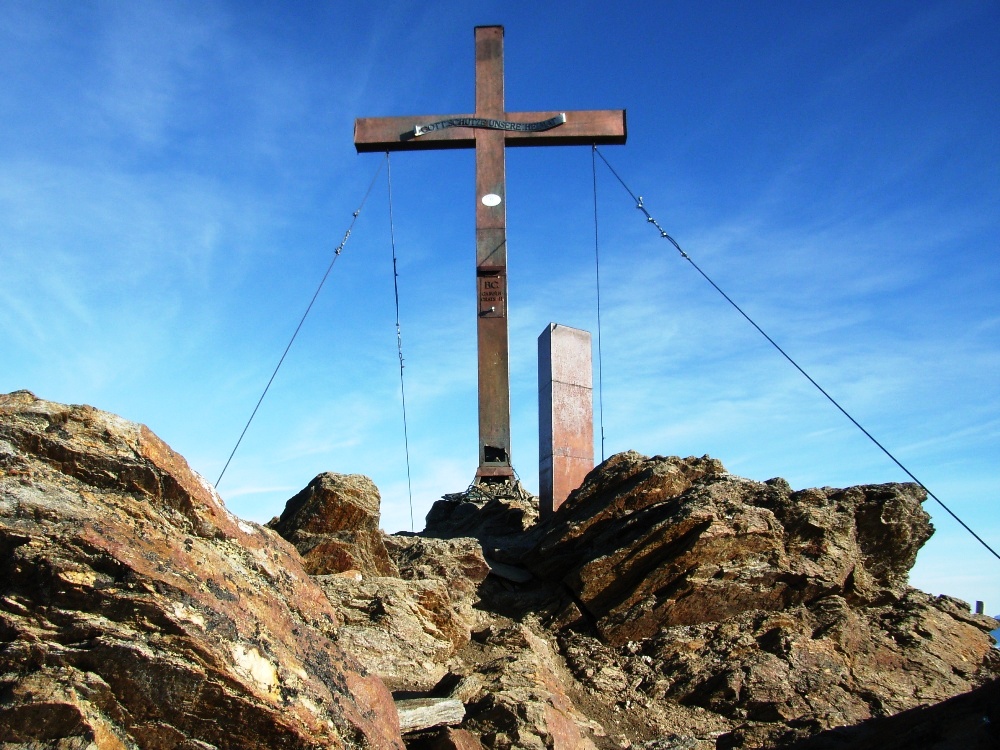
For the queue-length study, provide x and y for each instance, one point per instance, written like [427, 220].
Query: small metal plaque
[492, 292]
[491, 199]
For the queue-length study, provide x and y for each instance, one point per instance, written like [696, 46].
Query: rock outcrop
[728, 612]
[405, 614]
[136, 611]
[333, 523]
[648, 543]
[408, 630]
[666, 605]
[783, 612]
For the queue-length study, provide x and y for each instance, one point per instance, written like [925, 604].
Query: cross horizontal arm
[602, 126]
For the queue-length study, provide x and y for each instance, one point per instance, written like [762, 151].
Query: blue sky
[175, 176]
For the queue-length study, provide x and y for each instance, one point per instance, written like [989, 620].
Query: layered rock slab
[782, 613]
[408, 630]
[408, 604]
[135, 610]
[334, 524]
[653, 542]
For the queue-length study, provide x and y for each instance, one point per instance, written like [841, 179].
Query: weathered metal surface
[491, 255]
[565, 414]
[489, 130]
[492, 292]
[582, 128]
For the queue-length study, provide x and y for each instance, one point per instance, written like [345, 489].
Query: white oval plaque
[491, 199]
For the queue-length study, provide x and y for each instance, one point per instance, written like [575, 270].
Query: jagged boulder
[407, 602]
[136, 611]
[503, 519]
[334, 524]
[781, 613]
[407, 629]
[517, 697]
[648, 543]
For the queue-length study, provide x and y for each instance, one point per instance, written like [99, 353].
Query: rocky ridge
[668, 604]
[136, 611]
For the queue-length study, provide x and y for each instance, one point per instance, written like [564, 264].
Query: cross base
[493, 488]
[494, 472]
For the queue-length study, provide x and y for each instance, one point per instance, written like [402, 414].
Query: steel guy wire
[399, 336]
[649, 219]
[597, 266]
[336, 254]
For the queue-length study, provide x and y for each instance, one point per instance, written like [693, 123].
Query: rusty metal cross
[489, 130]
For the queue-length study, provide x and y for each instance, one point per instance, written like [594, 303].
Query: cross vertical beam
[493, 341]
[490, 130]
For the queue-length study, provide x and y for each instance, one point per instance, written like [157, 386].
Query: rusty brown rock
[406, 630]
[334, 524]
[455, 739]
[780, 613]
[504, 524]
[672, 606]
[522, 699]
[647, 543]
[136, 611]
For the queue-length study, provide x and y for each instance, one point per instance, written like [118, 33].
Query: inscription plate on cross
[492, 291]
[489, 130]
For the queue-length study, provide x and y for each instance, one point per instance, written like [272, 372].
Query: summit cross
[489, 130]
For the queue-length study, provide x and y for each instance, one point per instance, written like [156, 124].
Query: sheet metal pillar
[565, 414]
